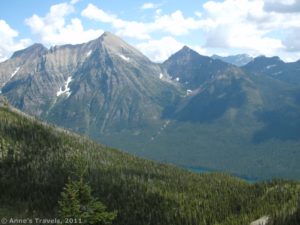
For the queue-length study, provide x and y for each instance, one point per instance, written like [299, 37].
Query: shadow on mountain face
[208, 106]
[296, 96]
[283, 125]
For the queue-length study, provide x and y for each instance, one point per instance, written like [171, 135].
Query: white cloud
[8, 44]
[269, 27]
[53, 29]
[174, 23]
[283, 6]
[125, 28]
[293, 40]
[246, 25]
[73, 2]
[159, 50]
[242, 25]
[198, 14]
[93, 12]
[149, 5]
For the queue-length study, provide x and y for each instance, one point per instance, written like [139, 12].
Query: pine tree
[70, 203]
[78, 204]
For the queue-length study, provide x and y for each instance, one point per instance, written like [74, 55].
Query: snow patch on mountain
[277, 73]
[188, 92]
[65, 89]
[88, 53]
[124, 57]
[15, 72]
[270, 66]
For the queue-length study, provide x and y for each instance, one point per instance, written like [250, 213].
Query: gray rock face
[191, 69]
[191, 110]
[100, 84]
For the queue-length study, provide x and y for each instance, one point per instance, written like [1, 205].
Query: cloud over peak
[53, 28]
[8, 44]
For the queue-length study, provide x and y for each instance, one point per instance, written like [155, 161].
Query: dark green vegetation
[191, 110]
[37, 161]
[79, 206]
[286, 217]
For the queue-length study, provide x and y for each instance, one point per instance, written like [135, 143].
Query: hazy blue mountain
[238, 60]
[276, 68]
[192, 69]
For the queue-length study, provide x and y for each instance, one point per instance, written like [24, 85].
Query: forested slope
[37, 160]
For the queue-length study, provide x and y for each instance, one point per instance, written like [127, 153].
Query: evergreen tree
[78, 204]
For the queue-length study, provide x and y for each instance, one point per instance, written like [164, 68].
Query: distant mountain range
[275, 68]
[191, 110]
[237, 60]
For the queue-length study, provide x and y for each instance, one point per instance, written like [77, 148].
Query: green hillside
[38, 160]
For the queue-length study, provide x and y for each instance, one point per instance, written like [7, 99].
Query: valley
[39, 162]
[190, 110]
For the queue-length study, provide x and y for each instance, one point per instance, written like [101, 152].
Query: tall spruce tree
[77, 205]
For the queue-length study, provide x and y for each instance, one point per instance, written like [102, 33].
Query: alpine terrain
[191, 110]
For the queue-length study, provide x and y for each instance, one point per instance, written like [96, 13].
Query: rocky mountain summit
[102, 83]
[191, 110]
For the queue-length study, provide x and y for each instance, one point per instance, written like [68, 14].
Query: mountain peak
[187, 50]
[266, 58]
[263, 61]
[33, 50]
[118, 46]
[108, 34]
[187, 54]
[111, 39]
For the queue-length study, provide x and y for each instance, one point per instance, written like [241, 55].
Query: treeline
[37, 161]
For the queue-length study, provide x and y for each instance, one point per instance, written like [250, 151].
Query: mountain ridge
[275, 68]
[191, 110]
[237, 60]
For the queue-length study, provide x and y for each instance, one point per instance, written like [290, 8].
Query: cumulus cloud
[159, 50]
[150, 5]
[53, 28]
[174, 23]
[73, 2]
[8, 44]
[246, 25]
[286, 6]
[292, 41]
[125, 28]
[269, 27]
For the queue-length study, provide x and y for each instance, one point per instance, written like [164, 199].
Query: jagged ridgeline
[37, 160]
[191, 110]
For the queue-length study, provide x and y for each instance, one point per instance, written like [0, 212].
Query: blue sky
[157, 28]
